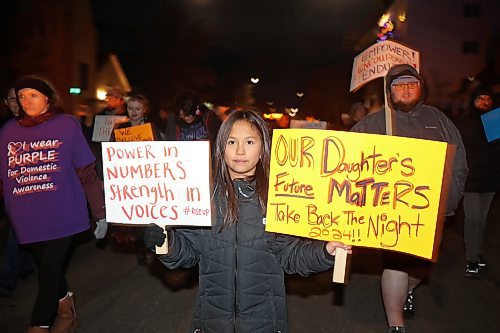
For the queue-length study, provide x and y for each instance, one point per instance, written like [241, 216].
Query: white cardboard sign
[104, 125]
[307, 124]
[375, 62]
[161, 182]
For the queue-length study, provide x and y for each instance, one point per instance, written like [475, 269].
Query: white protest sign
[307, 124]
[161, 182]
[375, 62]
[104, 125]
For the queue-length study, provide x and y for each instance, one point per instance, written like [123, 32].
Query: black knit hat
[481, 90]
[34, 83]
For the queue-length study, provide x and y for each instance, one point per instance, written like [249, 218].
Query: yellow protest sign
[362, 189]
[142, 132]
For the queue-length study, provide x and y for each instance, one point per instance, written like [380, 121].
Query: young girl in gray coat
[241, 282]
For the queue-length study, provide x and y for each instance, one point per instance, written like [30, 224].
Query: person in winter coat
[115, 106]
[115, 103]
[483, 159]
[196, 122]
[47, 173]
[138, 114]
[241, 266]
[133, 237]
[192, 122]
[411, 118]
[18, 261]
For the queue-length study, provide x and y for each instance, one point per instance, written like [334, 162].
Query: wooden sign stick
[388, 112]
[340, 267]
[163, 249]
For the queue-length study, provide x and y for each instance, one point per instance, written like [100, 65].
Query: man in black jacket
[483, 181]
[18, 261]
[115, 103]
[411, 118]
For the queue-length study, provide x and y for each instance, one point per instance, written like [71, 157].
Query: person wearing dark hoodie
[18, 261]
[412, 118]
[483, 181]
[46, 177]
[196, 121]
[126, 237]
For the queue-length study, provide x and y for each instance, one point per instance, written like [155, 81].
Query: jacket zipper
[235, 272]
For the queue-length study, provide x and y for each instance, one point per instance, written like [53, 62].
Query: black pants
[476, 208]
[50, 257]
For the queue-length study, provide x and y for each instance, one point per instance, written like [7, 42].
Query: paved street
[114, 294]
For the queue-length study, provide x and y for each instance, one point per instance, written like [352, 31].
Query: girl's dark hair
[224, 185]
[141, 99]
[189, 103]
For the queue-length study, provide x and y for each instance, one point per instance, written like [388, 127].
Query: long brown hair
[223, 183]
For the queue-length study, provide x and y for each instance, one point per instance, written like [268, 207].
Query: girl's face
[243, 148]
[188, 119]
[135, 110]
[33, 102]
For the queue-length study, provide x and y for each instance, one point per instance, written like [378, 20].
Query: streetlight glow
[101, 94]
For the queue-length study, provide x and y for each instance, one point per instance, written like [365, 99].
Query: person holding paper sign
[115, 106]
[196, 121]
[115, 103]
[241, 265]
[46, 175]
[404, 86]
[483, 181]
[138, 110]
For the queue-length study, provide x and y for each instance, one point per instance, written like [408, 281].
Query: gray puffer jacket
[241, 287]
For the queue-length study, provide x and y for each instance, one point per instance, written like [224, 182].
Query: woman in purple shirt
[47, 175]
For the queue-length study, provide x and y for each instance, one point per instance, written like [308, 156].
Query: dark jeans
[476, 208]
[50, 257]
[18, 261]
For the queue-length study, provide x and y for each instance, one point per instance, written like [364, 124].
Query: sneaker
[472, 269]
[481, 263]
[409, 307]
[396, 329]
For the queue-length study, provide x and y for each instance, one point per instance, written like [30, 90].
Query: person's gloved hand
[101, 226]
[153, 236]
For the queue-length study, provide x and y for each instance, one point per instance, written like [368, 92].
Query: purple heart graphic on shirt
[14, 147]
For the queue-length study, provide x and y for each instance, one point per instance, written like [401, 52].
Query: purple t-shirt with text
[42, 192]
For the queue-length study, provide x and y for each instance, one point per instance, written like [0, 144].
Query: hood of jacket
[478, 91]
[400, 70]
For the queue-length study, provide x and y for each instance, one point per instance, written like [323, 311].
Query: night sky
[214, 46]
